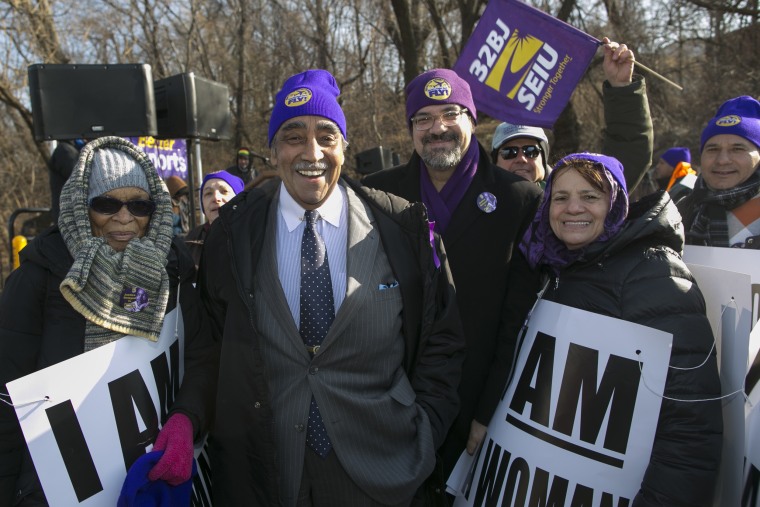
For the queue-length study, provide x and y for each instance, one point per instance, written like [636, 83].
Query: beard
[441, 158]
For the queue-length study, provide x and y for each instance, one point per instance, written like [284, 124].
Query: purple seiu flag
[522, 64]
[169, 156]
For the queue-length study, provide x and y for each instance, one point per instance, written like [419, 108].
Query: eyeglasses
[448, 119]
[510, 152]
[106, 205]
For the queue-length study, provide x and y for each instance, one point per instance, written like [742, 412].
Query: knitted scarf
[441, 205]
[117, 292]
[708, 225]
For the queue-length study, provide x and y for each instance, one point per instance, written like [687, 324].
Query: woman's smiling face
[577, 209]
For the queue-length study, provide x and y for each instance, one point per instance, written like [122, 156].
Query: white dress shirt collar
[292, 212]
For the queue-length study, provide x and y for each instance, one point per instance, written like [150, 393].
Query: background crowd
[706, 46]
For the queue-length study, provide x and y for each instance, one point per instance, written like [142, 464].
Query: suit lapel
[270, 280]
[363, 242]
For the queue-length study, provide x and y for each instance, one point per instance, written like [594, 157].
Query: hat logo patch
[438, 89]
[298, 97]
[728, 121]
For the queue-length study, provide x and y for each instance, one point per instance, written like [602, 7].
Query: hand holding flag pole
[522, 64]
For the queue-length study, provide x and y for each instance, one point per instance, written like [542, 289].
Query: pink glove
[176, 440]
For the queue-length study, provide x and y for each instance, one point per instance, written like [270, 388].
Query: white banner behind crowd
[542, 443]
[87, 419]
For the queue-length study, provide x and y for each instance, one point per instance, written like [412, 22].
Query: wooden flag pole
[658, 75]
[647, 69]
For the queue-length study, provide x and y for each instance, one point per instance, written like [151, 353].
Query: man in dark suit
[481, 211]
[340, 345]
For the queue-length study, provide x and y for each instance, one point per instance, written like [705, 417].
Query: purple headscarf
[541, 246]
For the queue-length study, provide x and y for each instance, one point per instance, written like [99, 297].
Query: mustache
[445, 136]
[319, 165]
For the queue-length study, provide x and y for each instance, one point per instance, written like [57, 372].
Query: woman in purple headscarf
[600, 256]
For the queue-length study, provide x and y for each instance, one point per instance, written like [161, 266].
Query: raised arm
[628, 133]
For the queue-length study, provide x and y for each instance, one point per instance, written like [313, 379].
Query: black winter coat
[495, 285]
[242, 441]
[39, 328]
[639, 276]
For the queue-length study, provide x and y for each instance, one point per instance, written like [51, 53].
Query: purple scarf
[441, 205]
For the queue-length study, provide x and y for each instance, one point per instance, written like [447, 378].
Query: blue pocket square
[390, 285]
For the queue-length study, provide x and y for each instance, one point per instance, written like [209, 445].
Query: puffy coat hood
[654, 219]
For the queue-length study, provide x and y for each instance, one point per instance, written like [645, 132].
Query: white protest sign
[578, 419]
[733, 306]
[87, 419]
[751, 481]
[738, 260]
[728, 304]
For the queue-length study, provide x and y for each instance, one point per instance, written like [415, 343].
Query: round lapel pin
[487, 202]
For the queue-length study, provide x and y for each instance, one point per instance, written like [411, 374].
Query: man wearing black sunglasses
[522, 150]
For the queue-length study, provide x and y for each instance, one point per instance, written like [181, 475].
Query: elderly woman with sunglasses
[628, 135]
[109, 269]
[599, 256]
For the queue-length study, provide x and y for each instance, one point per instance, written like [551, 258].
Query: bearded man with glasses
[480, 212]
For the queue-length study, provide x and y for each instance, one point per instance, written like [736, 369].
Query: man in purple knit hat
[481, 211]
[724, 208]
[674, 174]
[340, 344]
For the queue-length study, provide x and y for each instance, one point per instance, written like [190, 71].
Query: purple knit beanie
[675, 156]
[233, 181]
[739, 116]
[435, 87]
[310, 93]
[614, 169]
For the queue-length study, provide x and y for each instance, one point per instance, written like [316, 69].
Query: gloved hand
[176, 440]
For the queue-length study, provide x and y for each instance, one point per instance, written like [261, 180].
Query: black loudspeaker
[188, 106]
[375, 159]
[89, 101]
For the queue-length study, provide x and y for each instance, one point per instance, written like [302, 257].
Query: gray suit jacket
[385, 380]
[380, 435]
